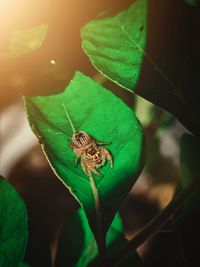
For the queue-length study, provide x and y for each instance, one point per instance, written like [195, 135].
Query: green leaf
[77, 246]
[98, 112]
[13, 225]
[25, 41]
[115, 45]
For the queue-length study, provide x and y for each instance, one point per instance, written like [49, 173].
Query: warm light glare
[13, 16]
[53, 62]
[17, 14]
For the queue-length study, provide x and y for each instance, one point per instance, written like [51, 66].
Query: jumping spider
[90, 152]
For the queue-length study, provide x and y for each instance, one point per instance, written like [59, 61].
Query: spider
[90, 152]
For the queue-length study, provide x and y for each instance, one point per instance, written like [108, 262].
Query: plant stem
[155, 224]
[100, 234]
[68, 117]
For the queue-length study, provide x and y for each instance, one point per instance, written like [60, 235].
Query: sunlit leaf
[114, 45]
[13, 226]
[98, 112]
[77, 246]
[25, 41]
[144, 110]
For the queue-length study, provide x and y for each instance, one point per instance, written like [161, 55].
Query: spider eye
[79, 137]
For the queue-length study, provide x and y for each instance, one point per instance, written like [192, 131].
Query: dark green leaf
[115, 45]
[25, 41]
[98, 112]
[13, 226]
[190, 170]
[189, 159]
[77, 246]
[115, 240]
[186, 222]
[23, 264]
[192, 2]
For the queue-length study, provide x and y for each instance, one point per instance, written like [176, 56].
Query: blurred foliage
[192, 2]
[25, 41]
[180, 236]
[189, 159]
[77, 246]
[144, 110]
[155, 122]
[13, 226]
[48, 202]
[23, 264]
[190, 170]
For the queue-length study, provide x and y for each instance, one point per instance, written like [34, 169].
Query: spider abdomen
[94, 155]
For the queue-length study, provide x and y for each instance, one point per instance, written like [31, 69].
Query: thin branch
[100, 234]
[68, 117]
[155, 224]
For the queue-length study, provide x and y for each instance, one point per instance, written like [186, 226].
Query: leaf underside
[115, 45]
[77, 246]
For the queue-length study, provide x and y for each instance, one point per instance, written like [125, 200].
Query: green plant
[117, 46]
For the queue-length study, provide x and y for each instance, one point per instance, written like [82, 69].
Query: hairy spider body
[90, 152]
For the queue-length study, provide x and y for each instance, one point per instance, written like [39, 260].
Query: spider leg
[88, 169]
[85, 168]
[96, 172]
[103, 143]
[102, 163]
[108, 156]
